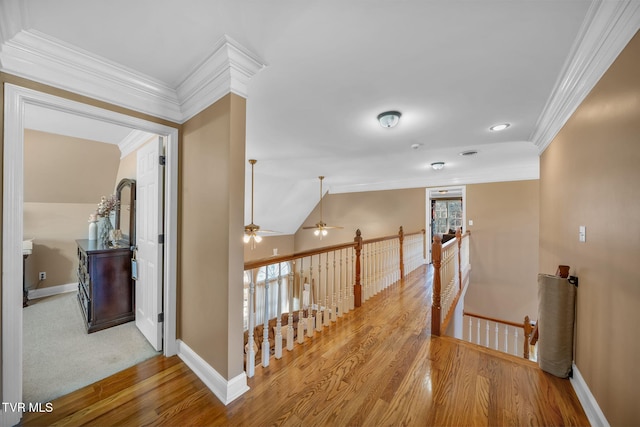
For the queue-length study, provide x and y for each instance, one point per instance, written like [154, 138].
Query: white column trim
[225, 390]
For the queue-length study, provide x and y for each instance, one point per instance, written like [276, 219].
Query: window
[447, 215]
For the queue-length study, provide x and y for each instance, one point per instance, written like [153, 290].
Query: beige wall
[65, 178]
[590, 175]
[211, 230]
[54, 228]
[504, 249]
[62, 169]
[375, 213]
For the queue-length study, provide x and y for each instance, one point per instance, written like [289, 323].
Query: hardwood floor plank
[377, 365]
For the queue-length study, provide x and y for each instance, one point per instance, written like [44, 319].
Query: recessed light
[502, 126]
[468, 153]
[416, 146]
[437, 165]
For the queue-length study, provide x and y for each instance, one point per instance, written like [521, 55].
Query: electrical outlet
[42, 275]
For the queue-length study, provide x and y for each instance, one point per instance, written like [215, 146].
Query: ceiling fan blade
[268, 232]
[329, 227]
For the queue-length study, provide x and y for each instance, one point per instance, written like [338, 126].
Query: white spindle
[497, 329]
[506, 339]
[301, 319]
[327, 291]
[334, 297]
[265, 340]
[320, 296]
[486, 343]
[341, 287]
[310, 318]
[278, 334]
[251, 352]
[515, 343]
[290, 285]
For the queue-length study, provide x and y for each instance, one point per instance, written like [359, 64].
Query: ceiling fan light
[316, 232]
[258, 238]
[246, 238]
[389, 119]
[324, 232]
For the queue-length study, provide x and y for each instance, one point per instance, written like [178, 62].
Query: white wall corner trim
[589, 404]
[225, 391]
[606, 30]
[52, 290]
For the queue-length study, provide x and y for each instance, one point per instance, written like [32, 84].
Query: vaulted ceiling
[316, 75]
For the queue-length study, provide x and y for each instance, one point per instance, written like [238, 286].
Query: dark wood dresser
[105, 288]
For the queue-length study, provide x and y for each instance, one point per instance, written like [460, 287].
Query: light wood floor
[377, 366]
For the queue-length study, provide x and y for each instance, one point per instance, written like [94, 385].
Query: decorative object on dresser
[105, 288]
[106, 207]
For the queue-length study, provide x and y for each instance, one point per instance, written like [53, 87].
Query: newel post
[357, 287]
[459, 240]
[401, 237]
[436, 258]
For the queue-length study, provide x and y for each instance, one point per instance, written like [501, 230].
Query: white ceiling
[453, 68]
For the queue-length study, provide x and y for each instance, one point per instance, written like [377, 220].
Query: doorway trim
[15, 99]
[434, 193]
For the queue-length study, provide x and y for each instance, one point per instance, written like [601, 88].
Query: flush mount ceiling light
[437, 165]
[501, 126]
[389, 119]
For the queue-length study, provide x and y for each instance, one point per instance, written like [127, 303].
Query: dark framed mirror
[126, 211]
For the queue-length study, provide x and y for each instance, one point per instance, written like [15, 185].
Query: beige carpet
[59, 356]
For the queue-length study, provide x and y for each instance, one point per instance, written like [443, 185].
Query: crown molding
[450, 178]
[606, 30]
[133, 141]
[12, 15]
[228, 69]
[38, 57]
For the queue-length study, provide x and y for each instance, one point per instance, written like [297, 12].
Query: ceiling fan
[320, 229]
[251, 230]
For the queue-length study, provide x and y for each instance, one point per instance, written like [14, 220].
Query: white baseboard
[52, 290]
[589, 404]
[225, 391]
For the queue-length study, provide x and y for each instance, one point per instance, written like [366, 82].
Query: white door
[149, 210]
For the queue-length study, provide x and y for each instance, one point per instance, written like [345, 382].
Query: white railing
[414, 251]
[290, 298]
[501, 335]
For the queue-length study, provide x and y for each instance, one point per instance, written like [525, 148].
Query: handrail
[448, 271]
[493, 319]
[284, 258]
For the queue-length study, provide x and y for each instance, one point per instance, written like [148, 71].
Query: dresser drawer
[85, 303]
